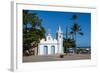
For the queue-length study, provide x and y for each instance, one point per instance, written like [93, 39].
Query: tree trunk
[36, 52]
[75, 45]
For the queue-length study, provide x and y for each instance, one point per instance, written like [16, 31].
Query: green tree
[33, 31]
[68, 43]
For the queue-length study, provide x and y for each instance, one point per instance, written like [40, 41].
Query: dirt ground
[56, 58]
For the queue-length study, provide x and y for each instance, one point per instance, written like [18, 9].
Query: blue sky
[51, 20]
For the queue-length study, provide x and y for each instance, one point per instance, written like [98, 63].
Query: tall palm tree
[75, 30]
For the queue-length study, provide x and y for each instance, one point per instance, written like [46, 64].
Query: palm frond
[81, 33]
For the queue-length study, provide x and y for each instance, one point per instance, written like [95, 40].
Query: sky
[52, 19]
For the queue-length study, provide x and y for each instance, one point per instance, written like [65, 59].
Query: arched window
[45, 50]
[52, 50]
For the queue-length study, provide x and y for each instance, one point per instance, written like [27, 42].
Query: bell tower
[59, 37]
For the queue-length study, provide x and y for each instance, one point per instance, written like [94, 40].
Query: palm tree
[75, 30]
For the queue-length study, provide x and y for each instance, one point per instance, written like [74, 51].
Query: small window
[60, 36]
[48, 38]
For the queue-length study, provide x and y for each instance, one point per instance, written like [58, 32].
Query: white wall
[5, 36]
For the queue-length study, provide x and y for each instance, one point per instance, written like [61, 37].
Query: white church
[50, 46]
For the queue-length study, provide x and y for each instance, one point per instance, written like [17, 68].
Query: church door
[45, 50]
[52, 50]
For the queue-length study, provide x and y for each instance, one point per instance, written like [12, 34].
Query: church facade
[50, 46]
